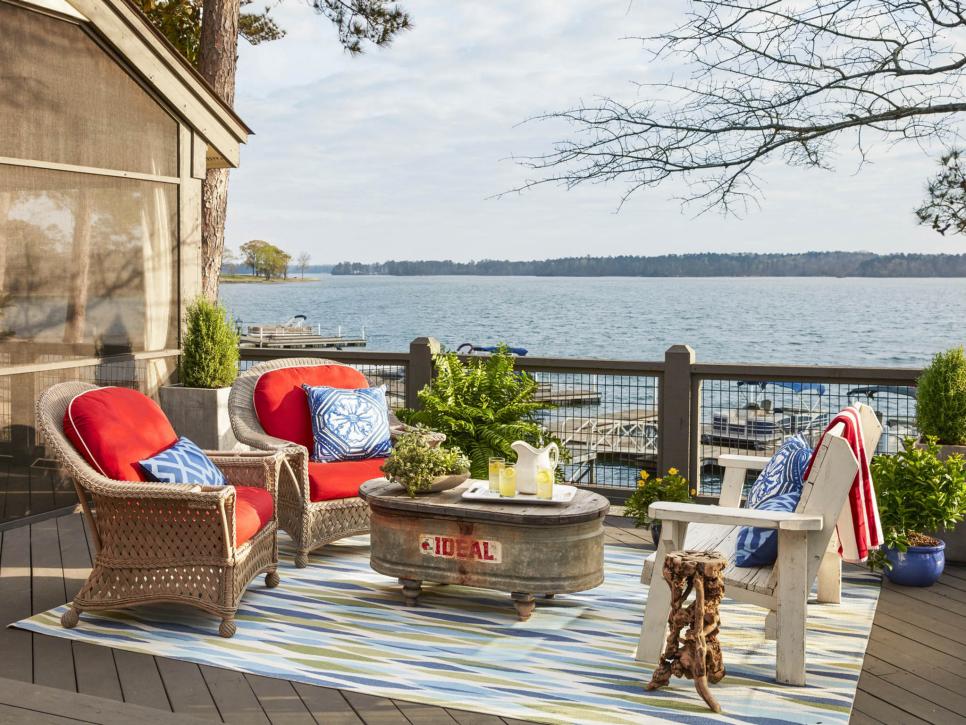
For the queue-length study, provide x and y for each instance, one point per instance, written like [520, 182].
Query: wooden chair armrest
[700, 514]
[736, 468]
[748, 463]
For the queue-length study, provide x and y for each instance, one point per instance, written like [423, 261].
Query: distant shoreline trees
[807, 264]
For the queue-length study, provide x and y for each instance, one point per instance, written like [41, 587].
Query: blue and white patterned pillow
[184, 462]
[777, 488]
[348, 424]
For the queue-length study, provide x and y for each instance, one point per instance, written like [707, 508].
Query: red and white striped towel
[858, 527]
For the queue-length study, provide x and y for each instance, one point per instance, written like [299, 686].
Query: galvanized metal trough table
[520, 549]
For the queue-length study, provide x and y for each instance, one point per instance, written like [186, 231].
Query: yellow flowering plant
[670, 487]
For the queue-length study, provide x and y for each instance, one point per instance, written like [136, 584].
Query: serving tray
[480, 491]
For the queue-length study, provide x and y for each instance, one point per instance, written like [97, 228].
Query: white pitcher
[529, 459]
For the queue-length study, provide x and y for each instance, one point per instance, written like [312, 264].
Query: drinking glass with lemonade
[545, 482]
[508, 481]
[496, 465]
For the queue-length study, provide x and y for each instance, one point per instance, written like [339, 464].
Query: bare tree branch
[769, 79]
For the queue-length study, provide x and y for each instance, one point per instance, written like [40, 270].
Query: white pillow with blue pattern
[777, 488]
[348, 424]
[184, 462]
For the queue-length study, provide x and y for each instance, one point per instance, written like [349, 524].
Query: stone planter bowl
[445, 483]
[440, 483]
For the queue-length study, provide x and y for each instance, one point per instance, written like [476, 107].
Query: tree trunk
[217, 63]
[214, 195]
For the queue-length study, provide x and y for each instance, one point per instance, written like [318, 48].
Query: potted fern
[198, 406]
[482, 406]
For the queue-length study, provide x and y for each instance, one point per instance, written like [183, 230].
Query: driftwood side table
[519, 549]
[699, 656]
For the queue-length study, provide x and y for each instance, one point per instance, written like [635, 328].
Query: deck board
[280, 701]
[914, 670]
[53, 657]
[15, 595]
[327, 705]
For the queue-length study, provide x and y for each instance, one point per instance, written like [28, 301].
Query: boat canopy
[519, 351]
[816, 388]
[870, 391]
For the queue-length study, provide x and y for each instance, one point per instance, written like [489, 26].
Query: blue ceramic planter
[919, 566]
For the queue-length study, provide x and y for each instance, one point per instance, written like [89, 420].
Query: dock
[566, 395]
[288, 338]
[627, 433]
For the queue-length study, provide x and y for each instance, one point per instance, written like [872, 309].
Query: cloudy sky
[397, 153]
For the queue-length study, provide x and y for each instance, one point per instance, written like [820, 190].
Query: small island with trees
[261, 261]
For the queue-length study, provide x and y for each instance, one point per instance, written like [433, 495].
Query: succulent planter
[918, 566]
[201, 415]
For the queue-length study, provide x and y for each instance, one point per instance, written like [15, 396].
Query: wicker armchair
[311, 524]
[161, 542]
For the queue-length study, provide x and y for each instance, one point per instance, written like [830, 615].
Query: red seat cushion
[114, 428]
[253, 509]
[341, 479]
[281, 405]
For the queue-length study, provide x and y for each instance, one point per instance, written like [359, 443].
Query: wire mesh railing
[604, 412]
[608, 424]
[615, 417]
[755, 415]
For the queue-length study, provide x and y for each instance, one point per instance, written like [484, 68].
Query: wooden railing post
[420, 372]
[674, 416]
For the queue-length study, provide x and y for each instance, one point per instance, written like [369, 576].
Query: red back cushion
[281, 405]
[114, 428]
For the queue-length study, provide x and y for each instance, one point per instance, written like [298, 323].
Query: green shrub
[918, 493]
[672, 487]
[209, 351]
[941, 394]
[482, 406]
[415, 462]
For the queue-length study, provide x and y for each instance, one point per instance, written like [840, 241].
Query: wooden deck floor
[915, 667]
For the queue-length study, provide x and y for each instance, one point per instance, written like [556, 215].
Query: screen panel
[88, 265]
[64, 99]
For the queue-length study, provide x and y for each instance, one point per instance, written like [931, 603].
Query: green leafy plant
[415, 461]
[941, 398]
[671, 487]
[209, 351]
[482, 406]
[918, 492]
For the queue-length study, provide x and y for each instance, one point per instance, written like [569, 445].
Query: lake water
[856, 321]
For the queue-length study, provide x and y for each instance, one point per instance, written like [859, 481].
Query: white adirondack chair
[807, 547]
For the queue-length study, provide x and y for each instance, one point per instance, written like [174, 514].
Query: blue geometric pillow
[348, 424]
[184, 462]
[777, 488]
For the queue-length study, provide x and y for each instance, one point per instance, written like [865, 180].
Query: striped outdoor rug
[339, 624]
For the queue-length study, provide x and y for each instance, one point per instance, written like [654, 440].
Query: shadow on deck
[914, 670]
